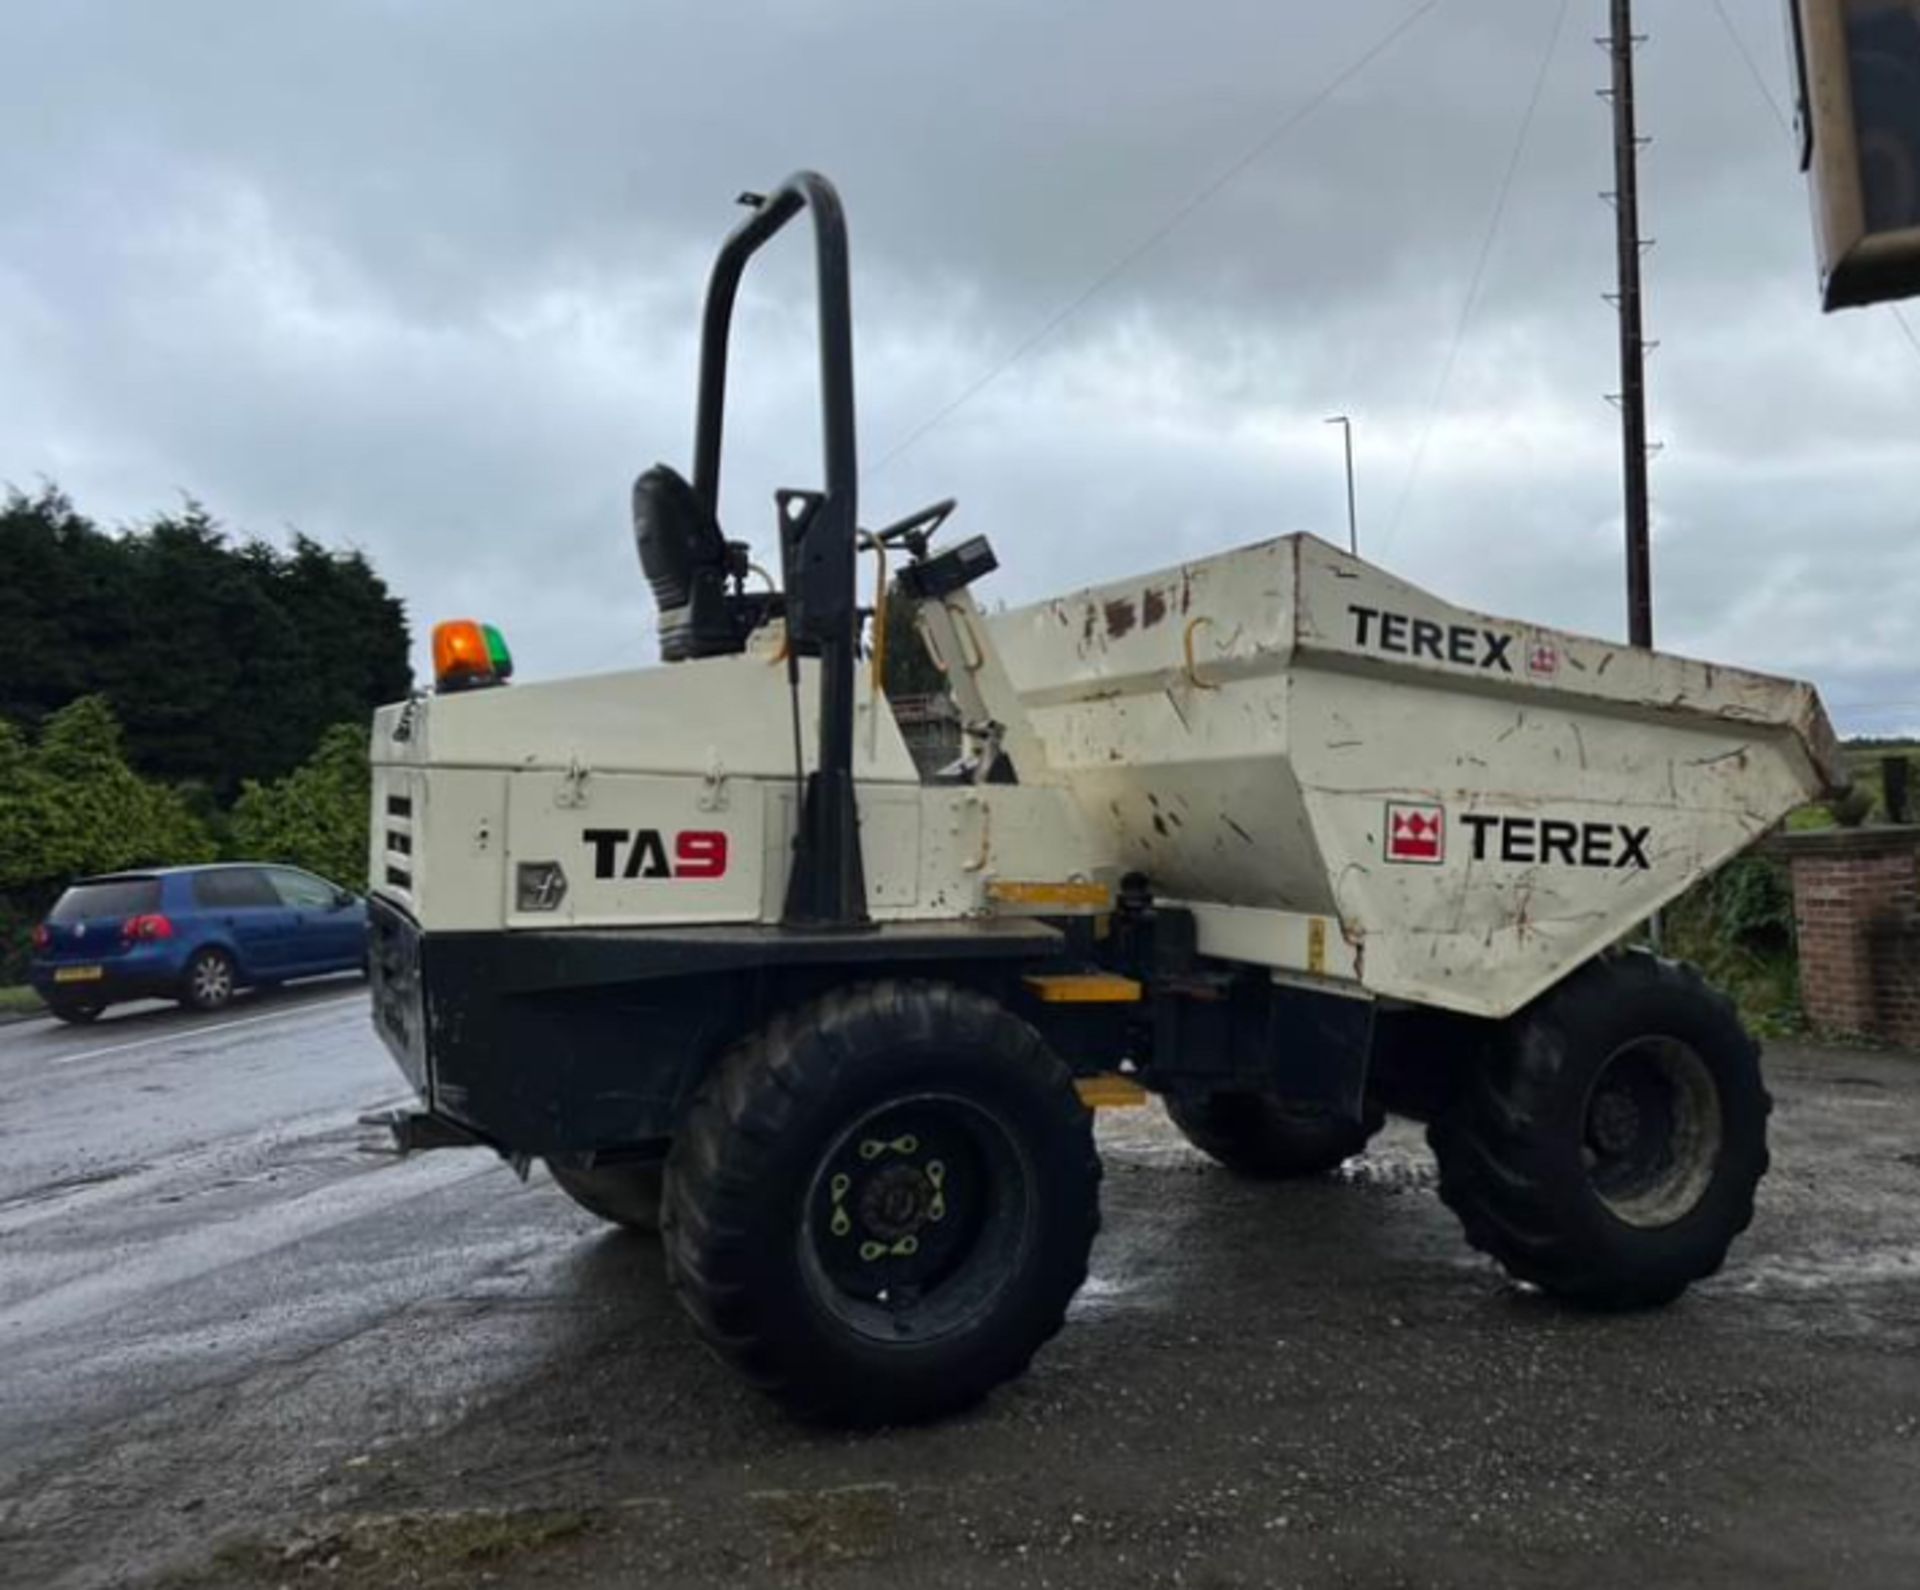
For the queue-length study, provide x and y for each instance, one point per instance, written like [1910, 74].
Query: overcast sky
[424, 277]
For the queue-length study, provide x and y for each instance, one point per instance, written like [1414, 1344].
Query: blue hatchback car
[194, 934]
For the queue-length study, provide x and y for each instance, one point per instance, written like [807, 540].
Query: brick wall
[1856, 906]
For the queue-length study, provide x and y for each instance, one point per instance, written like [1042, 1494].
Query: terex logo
[697, 853]
[1468, 645]
[1611, 846]
[1416, 833]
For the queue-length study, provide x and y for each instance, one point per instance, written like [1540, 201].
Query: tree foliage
[315, 817]
[223, 662]
[1736, 925]
[70, 805]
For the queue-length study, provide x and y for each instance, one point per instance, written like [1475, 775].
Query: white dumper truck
[1273, 835]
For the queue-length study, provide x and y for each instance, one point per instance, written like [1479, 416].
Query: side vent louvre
[397, 834]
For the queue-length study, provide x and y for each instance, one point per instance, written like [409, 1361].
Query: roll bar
[827, 885]
[803, 190]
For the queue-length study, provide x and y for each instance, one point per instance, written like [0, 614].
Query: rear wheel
[209, 982]
[1267, 1138]
[625, 1195]
[1609, 1148]
[879, 1208]
[74, 1011]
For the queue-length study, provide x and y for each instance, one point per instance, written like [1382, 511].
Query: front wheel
[879, 1207]
[209, 982]
[1609, 1147]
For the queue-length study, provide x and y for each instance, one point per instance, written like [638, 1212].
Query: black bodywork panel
[942, 573]
[584, 1041]
[568, 1042]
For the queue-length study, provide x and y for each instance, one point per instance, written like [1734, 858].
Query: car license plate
[79, 974]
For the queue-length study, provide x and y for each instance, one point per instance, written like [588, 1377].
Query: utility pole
[1633, 345]
[1353, 526]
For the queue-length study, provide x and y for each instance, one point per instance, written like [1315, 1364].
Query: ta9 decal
[645, 853]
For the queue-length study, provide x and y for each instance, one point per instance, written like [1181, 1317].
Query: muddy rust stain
[1153, 608]
[1120, 617]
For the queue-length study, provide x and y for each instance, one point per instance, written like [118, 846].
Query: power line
[1900, 315]
[1159, 233]
[1479, 274]
[1753, 68]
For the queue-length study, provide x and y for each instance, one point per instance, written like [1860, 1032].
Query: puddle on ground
[1106, 1294]
[1389, 1171]
[1790, 1274]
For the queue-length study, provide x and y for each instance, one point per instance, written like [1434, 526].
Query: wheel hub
[1653, 1132]
[897, 1208]
[896, 1201]
[1613, 1123]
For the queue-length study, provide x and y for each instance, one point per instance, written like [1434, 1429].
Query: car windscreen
[303, 891]
[107, 897]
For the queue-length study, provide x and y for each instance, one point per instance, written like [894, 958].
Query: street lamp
[1353, 529]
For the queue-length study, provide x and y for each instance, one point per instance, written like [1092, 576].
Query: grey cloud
[426, 277]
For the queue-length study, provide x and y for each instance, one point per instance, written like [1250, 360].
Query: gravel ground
[244, 1348]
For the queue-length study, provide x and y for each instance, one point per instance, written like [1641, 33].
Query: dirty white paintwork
[1240, 729]
[488, 779]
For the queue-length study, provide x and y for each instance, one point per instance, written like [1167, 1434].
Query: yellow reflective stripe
[1084, 988]
[1109, 1092]
[1065, 895]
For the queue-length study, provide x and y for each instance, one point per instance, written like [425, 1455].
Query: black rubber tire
[203, 993]
[625, 1195]
[1259, 1136]
[77, 1015]
[1514, 1150]
[746, 1256]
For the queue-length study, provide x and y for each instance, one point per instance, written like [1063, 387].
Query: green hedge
[70, 804]
[1737, 926]
[315, 817]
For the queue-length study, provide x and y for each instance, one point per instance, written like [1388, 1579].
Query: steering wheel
[917, 529]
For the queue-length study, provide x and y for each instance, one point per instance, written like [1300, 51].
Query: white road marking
[190, 1033]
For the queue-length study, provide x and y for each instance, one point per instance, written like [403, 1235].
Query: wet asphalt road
[240, 1346]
